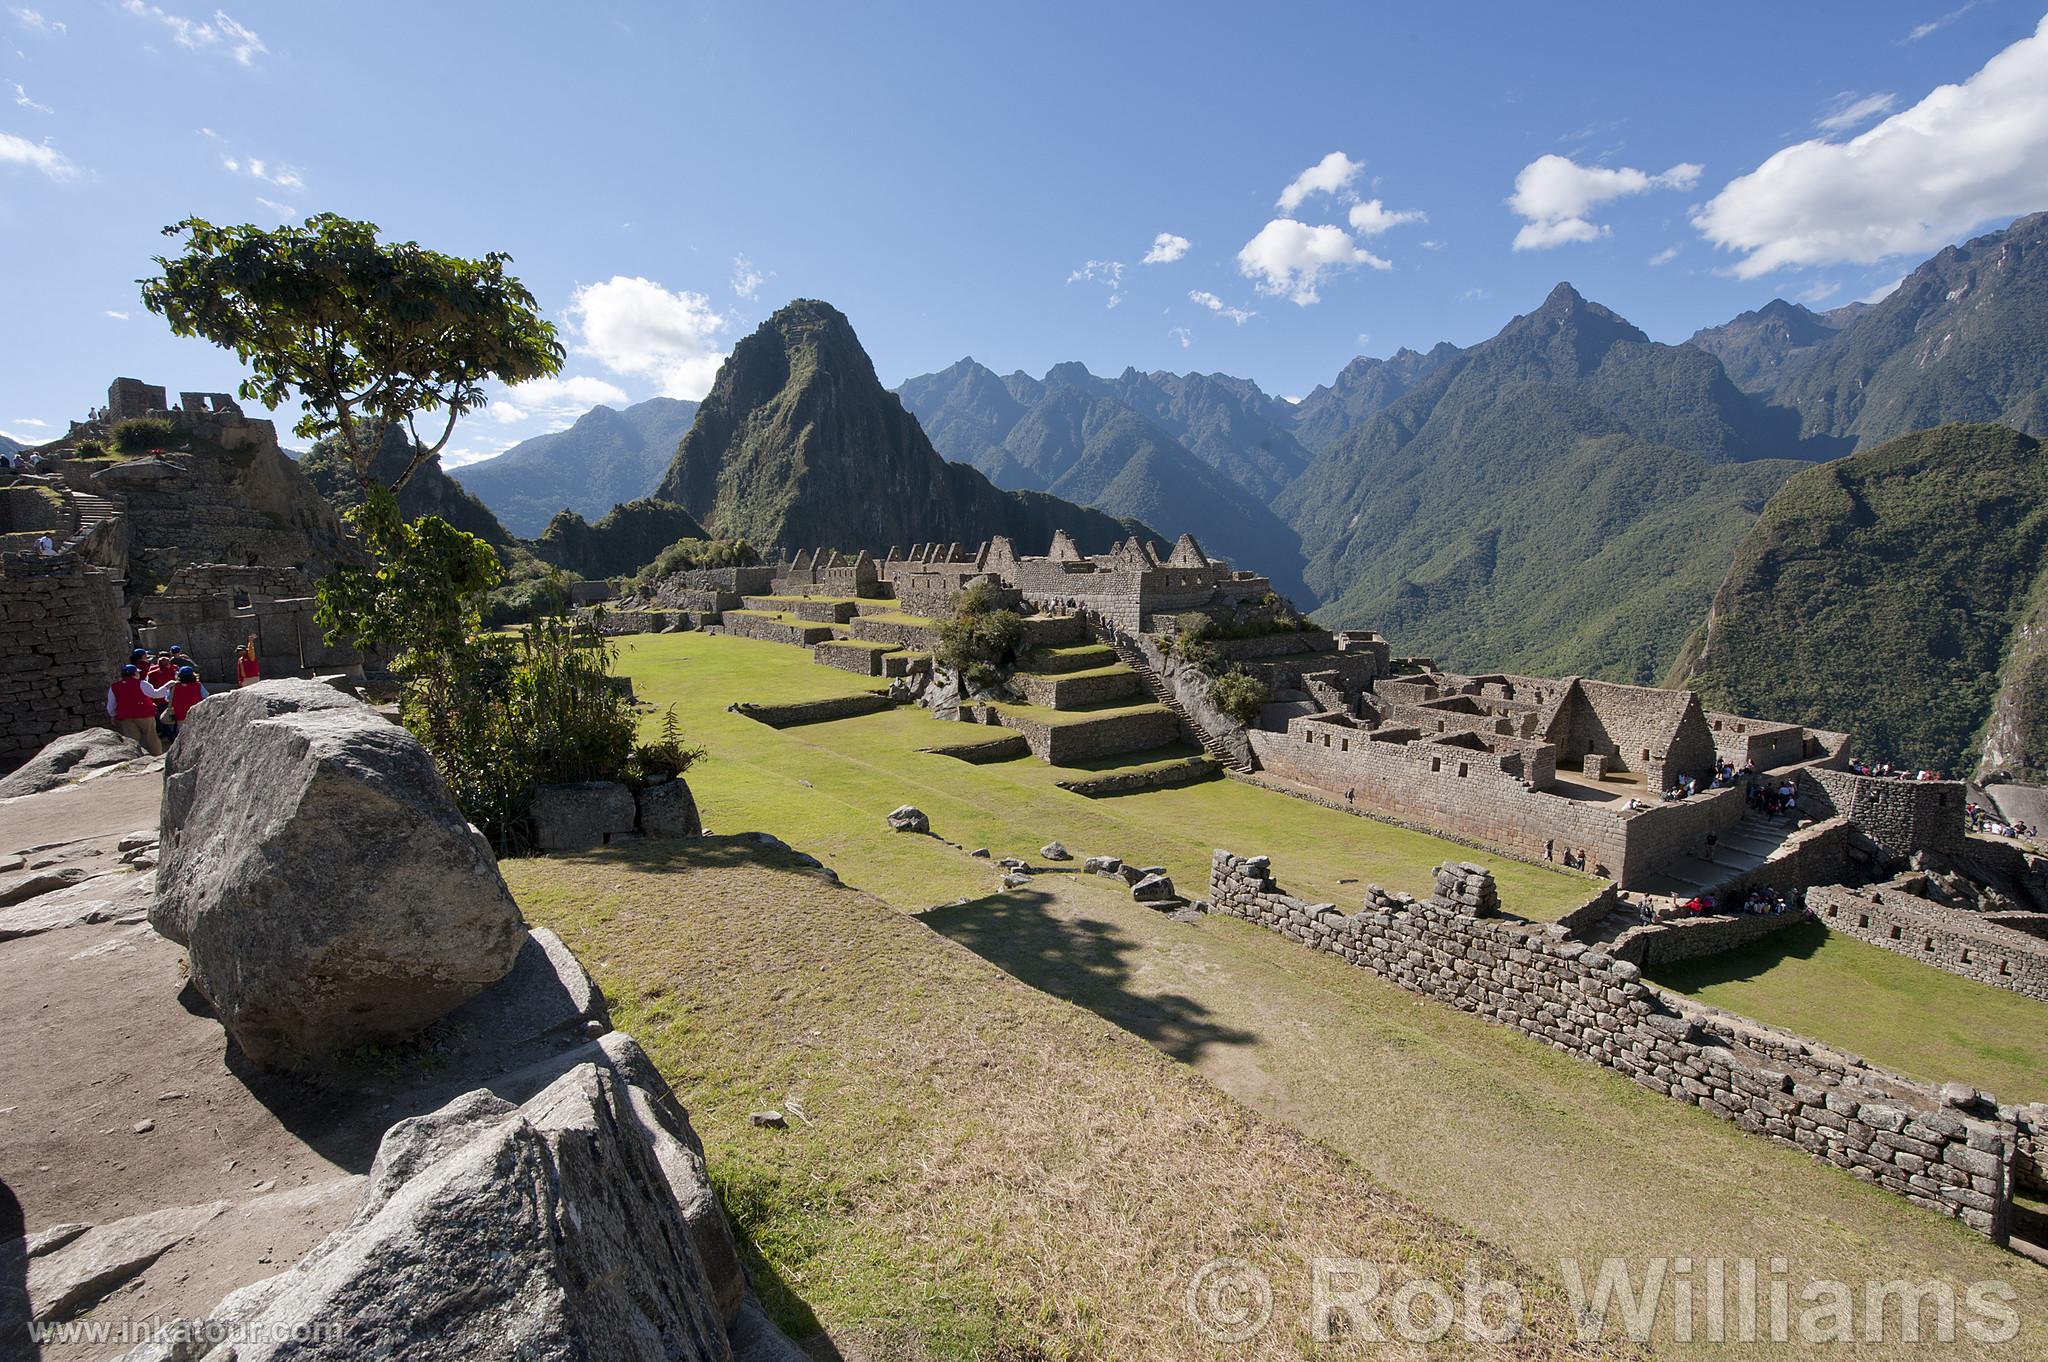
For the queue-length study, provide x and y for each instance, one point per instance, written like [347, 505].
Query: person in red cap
[246, 669]
[131, 704]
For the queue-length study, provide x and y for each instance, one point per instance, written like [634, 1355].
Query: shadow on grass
[1086, 961]
[1797, 942]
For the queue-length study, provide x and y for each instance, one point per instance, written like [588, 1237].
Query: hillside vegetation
[1881, 594]
[608, 457]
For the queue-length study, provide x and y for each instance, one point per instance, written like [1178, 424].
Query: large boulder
[670, 810]
[317, 870]
[909, 818]
[577, 1225]
[65, 759]
[581, 815]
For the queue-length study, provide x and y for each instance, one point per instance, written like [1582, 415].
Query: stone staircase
[1741, 849]
[92, 511]
[1134, 658]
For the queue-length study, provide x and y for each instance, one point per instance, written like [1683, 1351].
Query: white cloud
[1849, 109]
[1330, 175]
[1922, 30]
[222, 32]
[283, 210]
[34, 22]
[1666, 256]
[21, 98]
[475, 451]
[31, 421]
[1183, 335]
[1475, 294]
[1964, 156]
[1288, 258]
[117, 316]
[270, 172]
[39, 156]
[1108, 273]
[1166, 248]
[746, 278]
[1879, 294]
[1219, 307]
[1818, 292]
[1556, 194]
[1434, 245]
[1373, 217]
[635, 326]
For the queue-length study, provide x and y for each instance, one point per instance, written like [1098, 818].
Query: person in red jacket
[246, 669]
[161, 670]
[131, 704]
[184, 693]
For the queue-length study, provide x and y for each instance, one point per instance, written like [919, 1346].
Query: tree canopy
[368, 334]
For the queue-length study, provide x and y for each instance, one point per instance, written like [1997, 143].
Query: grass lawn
[972, 1169]
[1888, 1008]
[828, 785]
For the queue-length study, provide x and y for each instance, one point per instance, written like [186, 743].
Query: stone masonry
[1958, 940]
[1948, 1150]
[66, 635]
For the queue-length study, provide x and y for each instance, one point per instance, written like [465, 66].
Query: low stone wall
[1055, 631]
[1884, 1128]
[768, 629]
[1051, 664]
[904, 633]
[1826, 853]
[1954, 939]
[1689, 938]
[901, 663]
[980, 753]
[1114, 783]
[852, 655]
[1085, 739]
[814, 711]
[1079, 692]
[819, 610]
[65, 636]
[613, 623]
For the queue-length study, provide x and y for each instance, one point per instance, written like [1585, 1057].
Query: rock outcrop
[315, 866]
[577, 1225]
[65, 759]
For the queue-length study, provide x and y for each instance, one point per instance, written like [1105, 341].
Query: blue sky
[1312, 181]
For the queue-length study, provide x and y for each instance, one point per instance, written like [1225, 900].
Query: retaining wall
[852, 655]
[1132, 782]
[1085, 739]
[814, 711]
[1882, 1127]
[772, 630]
[1902, 816]
[1954, 939]
[1689, 938]
[65, 635]
[1078, 692]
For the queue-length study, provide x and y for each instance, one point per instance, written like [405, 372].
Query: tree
[367, 334]
[421, 597]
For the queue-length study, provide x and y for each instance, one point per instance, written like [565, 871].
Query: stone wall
[1422, 782]
[1078, 691]
[1112, 783]
[1084, 739]
[1886, 1129]
[1902, 816]
[65, 636]
[745, 624]
[1689, 938]
[851, 655]
[1954, 939]
[901, 631]
[813, 711]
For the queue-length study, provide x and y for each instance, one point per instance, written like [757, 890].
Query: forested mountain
[1227, 423]
[8, 446]
[1563, 497]
[799, 445]
[1362, 387]
[1963, 338]
[606, 458]
[1765, 349]
[1900, 595]
[627, 538]
[430, 492]
[1094, 450]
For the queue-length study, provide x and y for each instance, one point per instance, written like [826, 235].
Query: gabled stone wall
[1908, 1137]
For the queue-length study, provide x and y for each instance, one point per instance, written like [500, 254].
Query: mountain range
[1568, 496]
[607, 457]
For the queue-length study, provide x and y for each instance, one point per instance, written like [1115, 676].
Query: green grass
[1079, 714]
[1114, 669]
[828, 785]
[1892, 1010]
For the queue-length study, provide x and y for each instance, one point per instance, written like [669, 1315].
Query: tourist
[184, 693]
[45, 546]
[161, 670]
[131, 704]
[1713, 840]
[1550, 849]
[246, 669]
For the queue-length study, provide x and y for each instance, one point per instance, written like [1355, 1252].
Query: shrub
[533, 593]
[89, 449]
[982, 638]
[665, 758]
[141, 434]
[1240, 695]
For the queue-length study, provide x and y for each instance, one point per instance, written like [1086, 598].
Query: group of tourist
[31, 461]
[1762, 901]
[1774, 800]
[1886, 769]
[1724, 777]
[154, 693]
[1574, 859]
[1992, 822]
